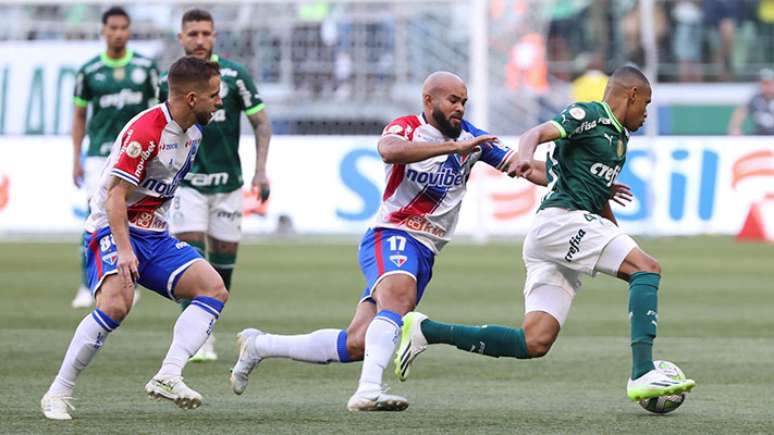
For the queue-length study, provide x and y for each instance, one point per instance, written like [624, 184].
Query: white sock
[88, 338]
[380, 342]
[322, 346]
[191, 330]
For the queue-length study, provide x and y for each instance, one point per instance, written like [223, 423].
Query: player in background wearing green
[118, 84]
[574, 233]
[207, 209]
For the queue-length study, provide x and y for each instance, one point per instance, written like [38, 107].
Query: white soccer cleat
[246, 362]
[656, 384]
[56, 407]
[376, 400]
[412, 343]
[83, 298]
[173, 388]
[206, 352]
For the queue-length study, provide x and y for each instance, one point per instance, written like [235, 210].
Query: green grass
[716, 310]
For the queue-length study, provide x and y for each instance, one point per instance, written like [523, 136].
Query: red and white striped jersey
[153, 153]
[424, 198]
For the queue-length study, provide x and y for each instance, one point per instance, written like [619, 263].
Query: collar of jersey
[617, 124]
[117, 63]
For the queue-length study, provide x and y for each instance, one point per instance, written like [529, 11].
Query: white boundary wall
[332, 185]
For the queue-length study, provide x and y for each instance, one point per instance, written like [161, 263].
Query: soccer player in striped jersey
[128, 243]
[574, 233]
[428, 159]
[117, 84]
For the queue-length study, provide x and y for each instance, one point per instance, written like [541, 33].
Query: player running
[207, 209]
[428, 161]
[574, 233]
[128, 241]
[118, 84]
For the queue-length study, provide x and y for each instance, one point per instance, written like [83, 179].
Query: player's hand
[519, 168]
[77, 173]
[622, 194]
[465, 147]
[261, 186]
[127, 266]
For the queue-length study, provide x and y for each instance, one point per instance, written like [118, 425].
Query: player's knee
[220, 293]
[650, 264]
[116, 308]
[538, 342]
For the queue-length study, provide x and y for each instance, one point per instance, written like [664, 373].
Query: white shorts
[92, 173]
[219, 215]
[561, 246]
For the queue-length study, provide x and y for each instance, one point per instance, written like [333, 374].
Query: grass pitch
[716, 310]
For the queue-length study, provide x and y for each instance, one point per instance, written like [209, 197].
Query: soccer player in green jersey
[207, 209]
[574, 233]
[117, 84]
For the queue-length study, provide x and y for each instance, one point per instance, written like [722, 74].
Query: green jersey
[217, 167]
[118, 89]
[587, 159]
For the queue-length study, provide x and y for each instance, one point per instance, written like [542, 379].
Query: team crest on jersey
[619, 148]
[134, 149]
[139, 75]
[398, 260]
[119, 74]
[577, 113]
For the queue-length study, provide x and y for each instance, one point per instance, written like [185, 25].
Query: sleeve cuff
[80, 102]
[129, 178]
[559, 127]
[255, 109]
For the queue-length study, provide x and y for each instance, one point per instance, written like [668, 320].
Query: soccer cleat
[56, 407]
[206, 352]
[173, 388]
[412, 343]
[83, 298]
[656, 384]
[246, 361]
[376, 400]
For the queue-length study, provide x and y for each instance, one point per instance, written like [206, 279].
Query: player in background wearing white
[118, 84]
[128, 241]
[428, 159]
[574, 233]
[207, 209]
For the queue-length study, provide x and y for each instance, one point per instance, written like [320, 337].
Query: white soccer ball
[665, 404]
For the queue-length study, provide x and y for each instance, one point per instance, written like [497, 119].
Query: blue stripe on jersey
[494, 155]
[187, 166]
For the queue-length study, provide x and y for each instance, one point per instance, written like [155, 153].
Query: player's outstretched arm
[126, 263]
[395, 149]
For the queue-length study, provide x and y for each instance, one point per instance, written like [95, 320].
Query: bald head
[444, 96]
[440, 82]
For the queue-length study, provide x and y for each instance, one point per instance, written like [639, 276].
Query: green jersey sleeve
[249, 100]
[571, 118]
[82, 94]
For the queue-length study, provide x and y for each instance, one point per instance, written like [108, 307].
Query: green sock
[489, 340]
[643, 314]
[199, 246]
[223, 263]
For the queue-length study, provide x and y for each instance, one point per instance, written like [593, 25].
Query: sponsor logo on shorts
[231, 216]
[110, 258]
[398, 259]
[574, 245]
[181, 245]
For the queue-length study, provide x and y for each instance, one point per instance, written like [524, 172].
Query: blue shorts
[162, 259]
[385, 251]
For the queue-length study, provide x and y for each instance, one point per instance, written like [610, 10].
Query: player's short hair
[628, 72]
[115, 11]
[189, 72]
[196, 15]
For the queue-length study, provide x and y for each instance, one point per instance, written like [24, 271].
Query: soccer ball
[665, 404]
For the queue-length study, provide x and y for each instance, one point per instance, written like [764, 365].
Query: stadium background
[333, 74]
